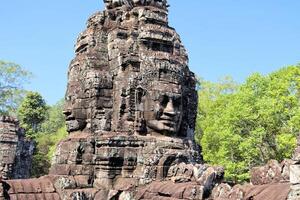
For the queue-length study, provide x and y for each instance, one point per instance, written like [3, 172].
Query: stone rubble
[272, 172]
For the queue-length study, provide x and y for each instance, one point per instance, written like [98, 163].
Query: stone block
[125, 184]
[63, 183]
[27, 186]
[81, 170]
[40, 196]
[47, 186]
[102, 195]
[270, 173]
[12, 197]
[294, 193]
[18, 187]
[126, 196]
[36, 186]
[295, 174]
[60, 169]
[52, 196]
[83, 181]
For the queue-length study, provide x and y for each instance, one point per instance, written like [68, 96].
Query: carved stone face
[107, 3]
[163, 109]
[74, 109]
[6, 171]
[75, 119]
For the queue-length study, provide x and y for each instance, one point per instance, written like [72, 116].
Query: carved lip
[169, 122]
[4, 175]
[167, 118]
[70, 118]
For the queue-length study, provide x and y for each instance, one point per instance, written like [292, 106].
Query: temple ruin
[15, 151]
[131, 106]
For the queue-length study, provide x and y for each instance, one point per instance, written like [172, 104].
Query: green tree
[45, 149]
[52, 131]
[12, 79]
[242, 126]
[55, 118]
[32, 112]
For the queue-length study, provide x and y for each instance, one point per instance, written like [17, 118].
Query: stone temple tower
[131, 92]
[130, 67]
[130, 111]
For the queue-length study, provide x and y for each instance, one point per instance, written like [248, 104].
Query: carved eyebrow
[164, 99]
[175, 95]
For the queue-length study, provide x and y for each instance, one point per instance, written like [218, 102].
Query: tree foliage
[55, 118]
[32, 112]
[46, 125]
[12, 79]
[52, 131]
[242, 126]
[46, 146]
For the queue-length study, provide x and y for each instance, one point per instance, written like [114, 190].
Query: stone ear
[140, 123]
[140, 93]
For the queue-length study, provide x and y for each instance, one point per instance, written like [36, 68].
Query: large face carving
[88, 98]
[75, 117]
[74, 109]
[120, 56]
[163, 108]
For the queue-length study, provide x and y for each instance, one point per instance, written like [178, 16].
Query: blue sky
[223, 37]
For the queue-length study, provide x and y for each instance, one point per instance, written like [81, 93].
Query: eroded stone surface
[15, 151]
[295, 174]
[272, 172]
[130, 102]
[130, 74]
[130, 110]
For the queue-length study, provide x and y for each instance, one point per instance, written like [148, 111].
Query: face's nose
[5, 168]
[67, 108]
[68, 113]
[170, 109]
